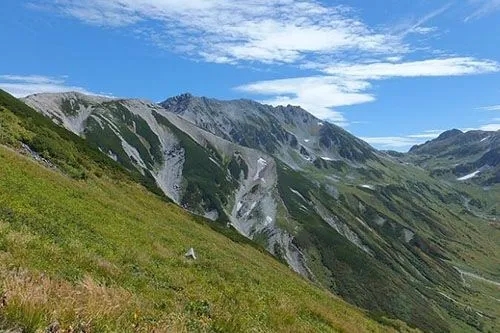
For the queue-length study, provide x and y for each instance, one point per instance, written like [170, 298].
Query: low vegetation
[85, 248]
[108, 256]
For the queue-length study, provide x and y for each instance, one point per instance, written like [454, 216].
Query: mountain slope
[200, 171]
[371, 205]
[378, 231]
[105, 254]
[472, 156]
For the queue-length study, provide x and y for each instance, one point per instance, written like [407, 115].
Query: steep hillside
[85, 248]
[201, 172]
[375, 229]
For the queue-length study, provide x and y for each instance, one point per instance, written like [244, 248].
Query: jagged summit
[281, 130]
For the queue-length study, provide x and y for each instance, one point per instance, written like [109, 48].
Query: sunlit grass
[107, 255]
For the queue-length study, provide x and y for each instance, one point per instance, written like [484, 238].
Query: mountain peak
[449, 134]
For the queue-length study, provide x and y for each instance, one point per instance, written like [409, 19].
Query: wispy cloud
[270, 31]
[490, 127]
[399, 143]
[431, 67]
[490, 108]
[417, 26]
[21, 86]
[405, 142]
[482, 8]
[402, 143]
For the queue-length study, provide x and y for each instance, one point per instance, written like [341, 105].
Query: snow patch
[214, 161]
[370, 187]
[469, 176]
[327, 158]
[306, 140]
[298, 194]
[320, 123]
[408, 235]
[269, 221]
[261, 165]
[484, 139]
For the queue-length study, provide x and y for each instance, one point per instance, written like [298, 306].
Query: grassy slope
[112, 255]
[104, 253]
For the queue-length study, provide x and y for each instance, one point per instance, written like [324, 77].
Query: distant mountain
[473, 156]
[378, 229]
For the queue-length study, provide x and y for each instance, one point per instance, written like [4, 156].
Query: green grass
[108, 255]
[99, 260]
[103, 253]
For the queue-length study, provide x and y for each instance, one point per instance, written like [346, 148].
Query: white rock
[190, 254]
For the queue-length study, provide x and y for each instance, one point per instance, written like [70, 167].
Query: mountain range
[413, 236]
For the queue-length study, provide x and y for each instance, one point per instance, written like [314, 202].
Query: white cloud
[430, 67]
[268, 31]
[482, 8]
[404, 143]
[394, 59]
[430, 134]
[318, 94]
[399, 143]
[417, 26]
[424, 30]
[490, 108]
[21, 86]
[490, 127]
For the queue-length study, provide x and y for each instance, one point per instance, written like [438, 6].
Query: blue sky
[394, 72]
